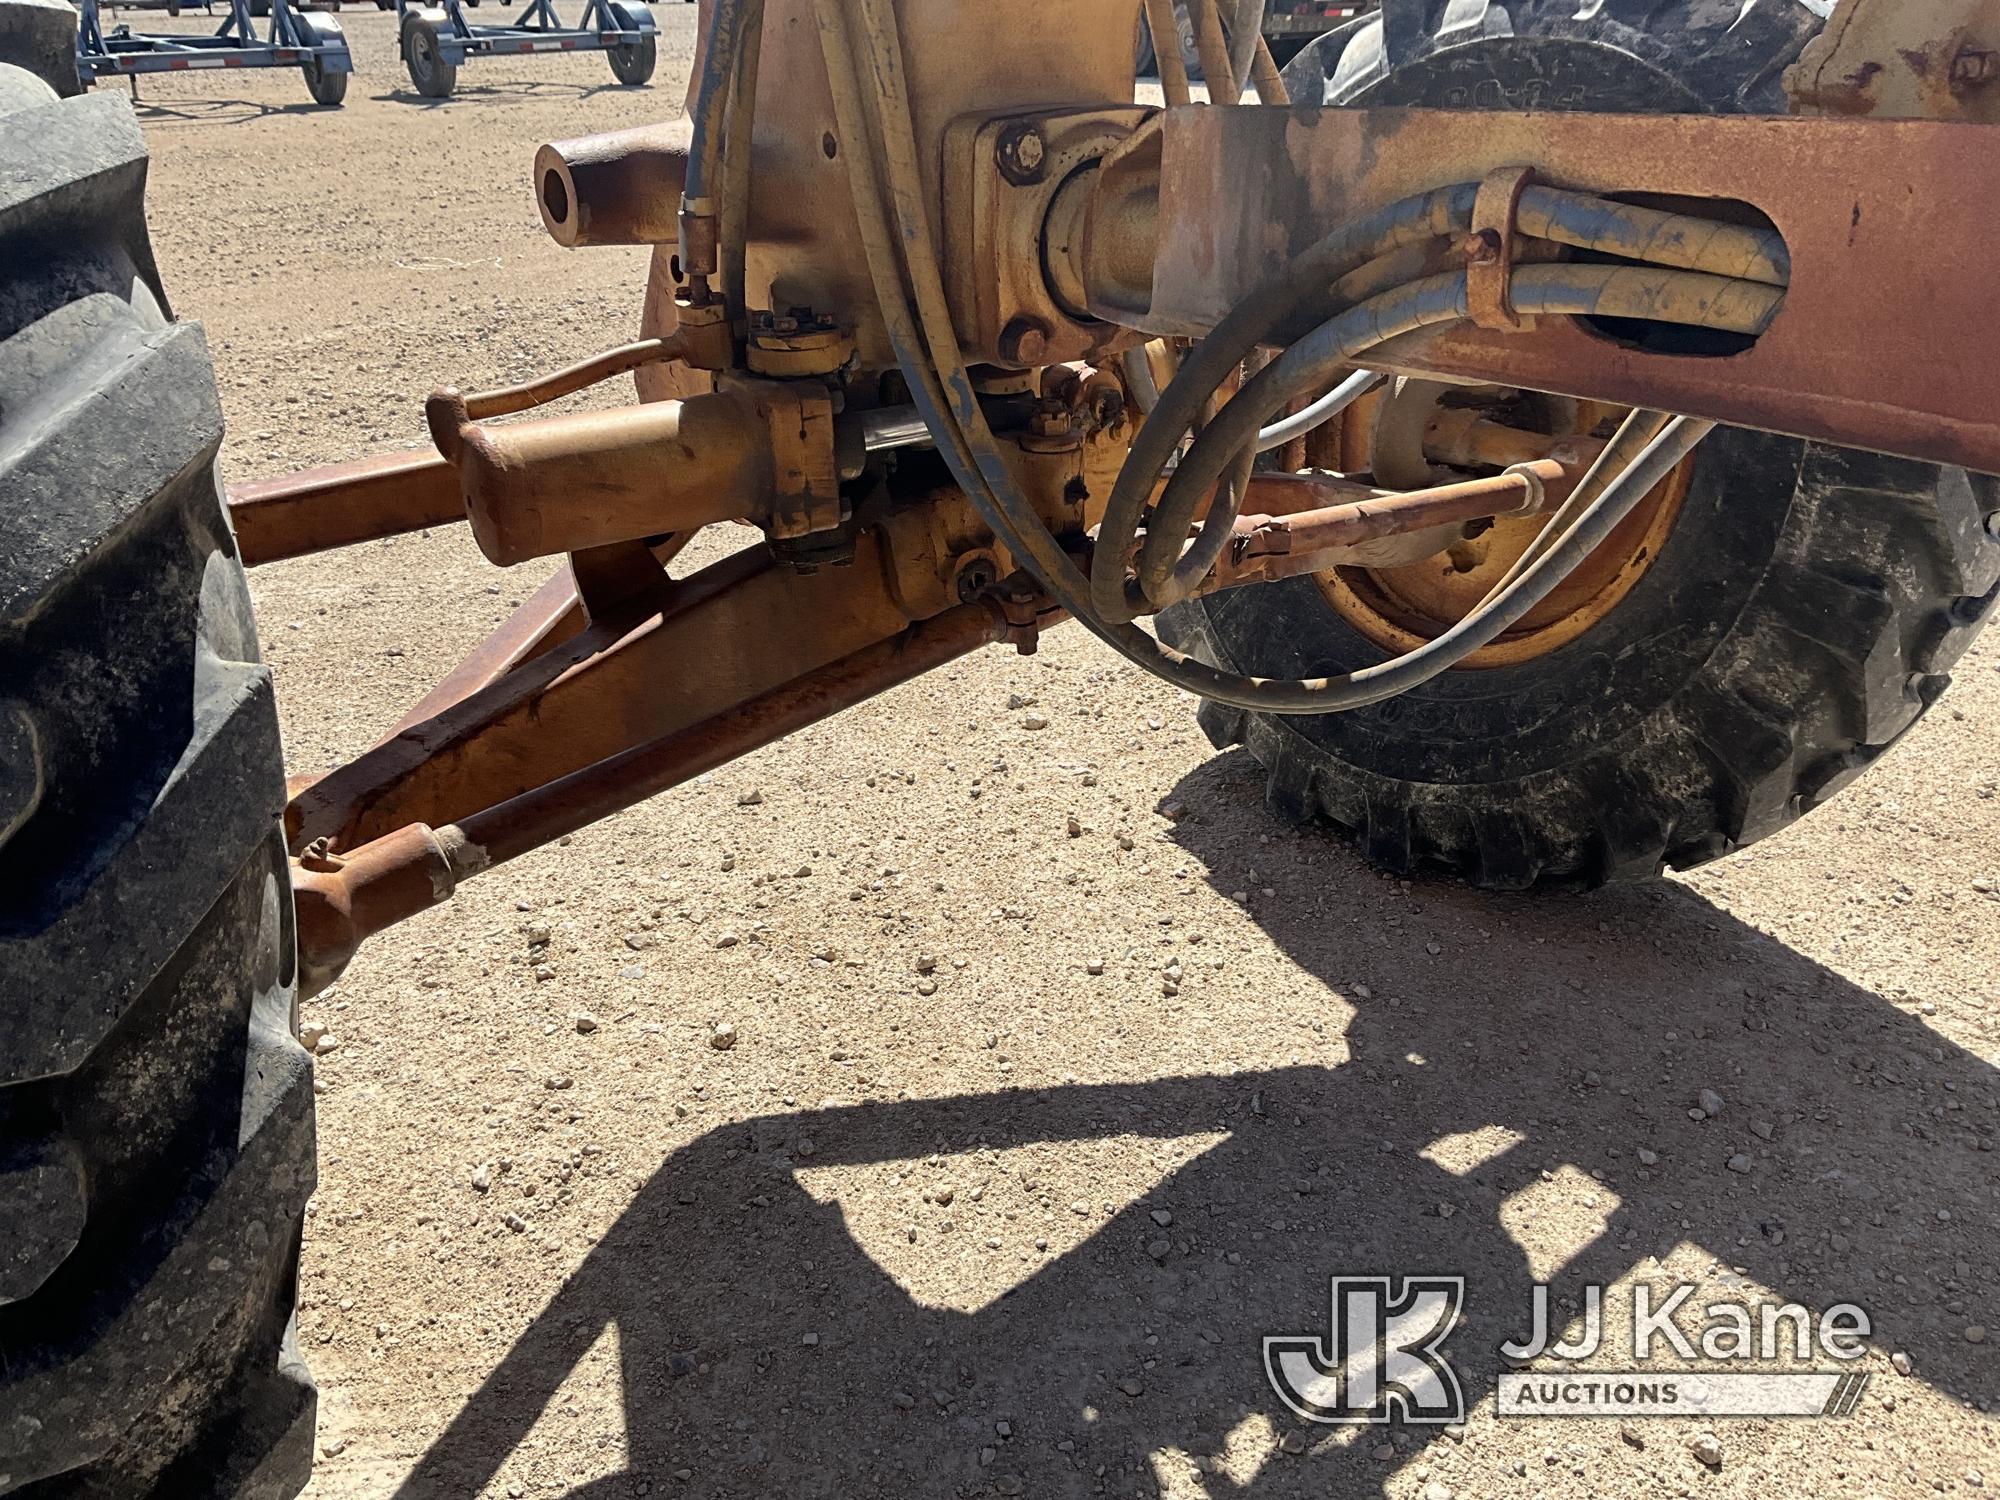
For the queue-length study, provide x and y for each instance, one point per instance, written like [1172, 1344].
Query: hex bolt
[1024, 341]
[1974, 65]
[1022, 151]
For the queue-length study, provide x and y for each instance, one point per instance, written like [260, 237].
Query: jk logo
[1380, 1359]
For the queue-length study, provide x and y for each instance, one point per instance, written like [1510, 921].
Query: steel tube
[548, 812]
[619, 188]
[1280, 545]
[341, 504]
[587, 479]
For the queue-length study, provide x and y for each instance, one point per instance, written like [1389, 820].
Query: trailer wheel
[631, 64]
[326, 87]
[1796, 614]
[434, 77]
[156, 1111]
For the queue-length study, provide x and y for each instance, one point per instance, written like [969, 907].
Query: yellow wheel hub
[1410, 430]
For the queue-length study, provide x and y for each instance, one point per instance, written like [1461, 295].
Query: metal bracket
[1489, 251]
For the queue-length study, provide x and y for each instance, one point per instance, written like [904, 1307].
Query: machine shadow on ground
[1564, 1065]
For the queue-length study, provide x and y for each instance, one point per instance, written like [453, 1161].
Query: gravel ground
[1058, 1073]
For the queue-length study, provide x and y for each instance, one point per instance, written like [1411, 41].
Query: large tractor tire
[1795, 617]
[156, 1110]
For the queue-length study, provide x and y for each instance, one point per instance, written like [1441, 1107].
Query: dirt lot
[956, 1215]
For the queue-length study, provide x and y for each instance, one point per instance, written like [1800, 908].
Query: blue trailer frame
[312, 43]
[449, 40]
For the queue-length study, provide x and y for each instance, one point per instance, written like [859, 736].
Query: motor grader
[1553, 438]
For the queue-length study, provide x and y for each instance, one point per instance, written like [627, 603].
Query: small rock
[1707, 1449]
[1900, 1362]
[902, 1400]
[1762, 1129]
[482, 1176]
[1162, 1217]
[1094, 966]
[1437, 1489]
[1293, 1443]
[1034, 721]
[558, 1081]
[723, 1037]
[1630, 1435]
[1740, 1162]
[727, 940]
[943, 1196]
[1648, 1158]
[681, 1365]
[309, 1035]
[1976, 1334]
[585, 1022]
[926, 986]
[1016, 701]
[1159, 1248]
[334, 1448]
[750, 798]
[537, 933]
[810, 1340]
[514, 1222]
[1710, 1102]
[1131, 1387]
[1173, 812]
[543, 973]
[328, 1042]
[632, 971]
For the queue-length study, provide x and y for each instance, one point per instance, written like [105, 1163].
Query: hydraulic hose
[735, 219]
[1479, 628]
[943, 393]
[1165, 33]
[718, 68]
[1655, 236]
[1688, 297]
[1424, 218]
[1638, 429]
[1322, 411]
